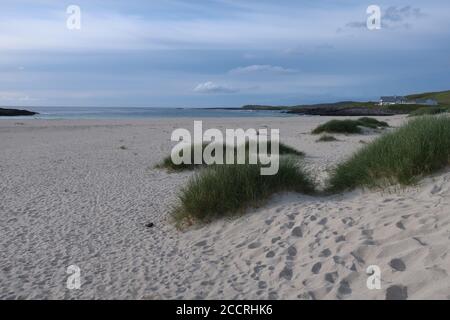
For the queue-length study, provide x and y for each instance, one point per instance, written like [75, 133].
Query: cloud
[258, 68]
[211, 87]
[394, 14]
[393, 17]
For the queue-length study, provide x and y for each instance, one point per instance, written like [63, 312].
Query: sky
[219, 53]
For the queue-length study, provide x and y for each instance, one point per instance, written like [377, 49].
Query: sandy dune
[70, 195]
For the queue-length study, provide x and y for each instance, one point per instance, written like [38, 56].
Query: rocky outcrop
[336, 111]
[15, 112]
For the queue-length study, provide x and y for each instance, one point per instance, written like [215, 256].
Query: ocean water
[140, 113]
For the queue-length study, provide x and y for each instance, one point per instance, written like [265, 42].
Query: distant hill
[358, 108]
[442, 97]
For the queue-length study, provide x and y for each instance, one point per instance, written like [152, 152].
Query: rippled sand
[81, 193]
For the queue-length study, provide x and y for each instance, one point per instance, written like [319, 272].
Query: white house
[392, 100]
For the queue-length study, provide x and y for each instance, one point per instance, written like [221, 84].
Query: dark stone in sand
[150, 225]
[397, 292]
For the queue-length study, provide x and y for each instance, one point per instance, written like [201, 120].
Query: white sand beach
[80, 192]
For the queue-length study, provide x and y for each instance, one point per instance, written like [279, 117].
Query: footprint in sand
[286, 273]
[292, 251]
[436, 189]
[349, 221]
[316, 267]
[289, 225]
[201, 243]
[291, 216]
[338, 260]
[397, 264]
[276, 239]
[331, 277]
[344, 288]
[325, 253]
[397, 292]
[297, 232]
[400, 225]
[262, 285]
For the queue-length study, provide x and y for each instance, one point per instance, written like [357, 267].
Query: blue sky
[219, 53]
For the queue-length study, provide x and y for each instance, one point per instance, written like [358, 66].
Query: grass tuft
[349, 126]
[168, 164]
[372, 123]
[226, 190]
[420, 147]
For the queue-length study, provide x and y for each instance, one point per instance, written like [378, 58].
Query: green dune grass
[225, 190]
[428, 111]
[420, 147]
[349, 126]
[168, 164]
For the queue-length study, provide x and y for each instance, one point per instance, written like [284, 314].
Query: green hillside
[442, 97]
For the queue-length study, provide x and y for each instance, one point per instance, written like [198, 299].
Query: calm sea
[139, 113]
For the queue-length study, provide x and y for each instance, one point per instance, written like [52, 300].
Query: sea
[142, 113]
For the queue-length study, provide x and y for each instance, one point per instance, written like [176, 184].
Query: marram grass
[349, 126]
[168, 164]
[428, 111]
[225, 190]
[420, 147]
